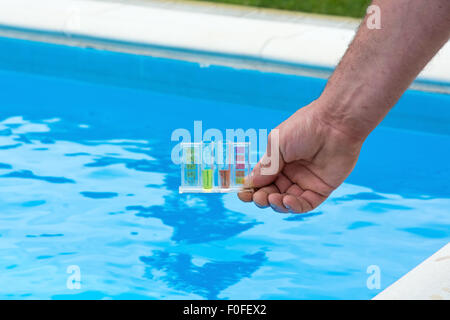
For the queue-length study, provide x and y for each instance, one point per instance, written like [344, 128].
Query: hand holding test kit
[214, 167]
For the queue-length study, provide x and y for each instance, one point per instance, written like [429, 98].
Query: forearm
[380, 64]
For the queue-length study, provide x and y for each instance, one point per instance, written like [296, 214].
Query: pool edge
[428, 281]
[241, 37]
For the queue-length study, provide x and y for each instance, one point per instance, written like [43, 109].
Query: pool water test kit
[214, 167]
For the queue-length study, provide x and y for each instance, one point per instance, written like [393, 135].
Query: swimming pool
[86, 180]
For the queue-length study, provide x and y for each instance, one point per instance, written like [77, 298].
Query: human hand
[315, 157]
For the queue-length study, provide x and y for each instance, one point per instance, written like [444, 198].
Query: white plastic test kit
[214, 167]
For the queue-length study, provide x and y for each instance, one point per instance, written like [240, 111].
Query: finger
[245, 196]
[257, 179]
[260, 197]
[276, 202]
[270, 165]
[306, 202]
[295, 190]
[283, 183]
[307, 180]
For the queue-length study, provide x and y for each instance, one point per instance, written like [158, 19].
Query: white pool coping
[261, 33]
[428, 281]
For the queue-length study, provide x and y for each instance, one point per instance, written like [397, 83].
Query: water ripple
[27, 174]
[92, 185]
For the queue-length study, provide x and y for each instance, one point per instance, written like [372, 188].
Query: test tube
[191, 165]
[208, 165]
[224, 164]
[241, 162]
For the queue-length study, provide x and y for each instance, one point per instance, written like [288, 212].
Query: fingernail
[274, 207]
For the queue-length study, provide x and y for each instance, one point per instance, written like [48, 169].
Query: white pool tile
[428, 281]
[270, 34]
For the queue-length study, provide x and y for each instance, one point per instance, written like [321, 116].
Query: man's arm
[320, 143]
[380, 64]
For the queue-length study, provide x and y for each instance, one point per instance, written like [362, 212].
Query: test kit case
[214, 167]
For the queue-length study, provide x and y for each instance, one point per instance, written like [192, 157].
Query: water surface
[86, 180]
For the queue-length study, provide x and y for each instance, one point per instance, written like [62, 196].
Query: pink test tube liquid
[240, 164]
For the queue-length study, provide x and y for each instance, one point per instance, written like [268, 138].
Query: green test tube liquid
[208, 165]
[207, 179]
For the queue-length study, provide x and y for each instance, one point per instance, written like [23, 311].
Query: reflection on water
[27, 174]
[99, 195]
[111, 207]
[207, 280]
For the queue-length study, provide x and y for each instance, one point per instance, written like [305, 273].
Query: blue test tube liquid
[190, 172]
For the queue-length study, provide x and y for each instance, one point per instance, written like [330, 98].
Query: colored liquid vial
[225, 178]
[207, 165]
[191, 165]
[214, 167]
[207, 179]
[191, 175]
[240, 176]
[223, 160]
[191, 171]
[239, 153]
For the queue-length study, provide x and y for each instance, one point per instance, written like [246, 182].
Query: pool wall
[267, 34]
[264, 89]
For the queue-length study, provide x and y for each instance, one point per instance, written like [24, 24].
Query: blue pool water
[86, 180]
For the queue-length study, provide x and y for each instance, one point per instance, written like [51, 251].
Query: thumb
[270, 165]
